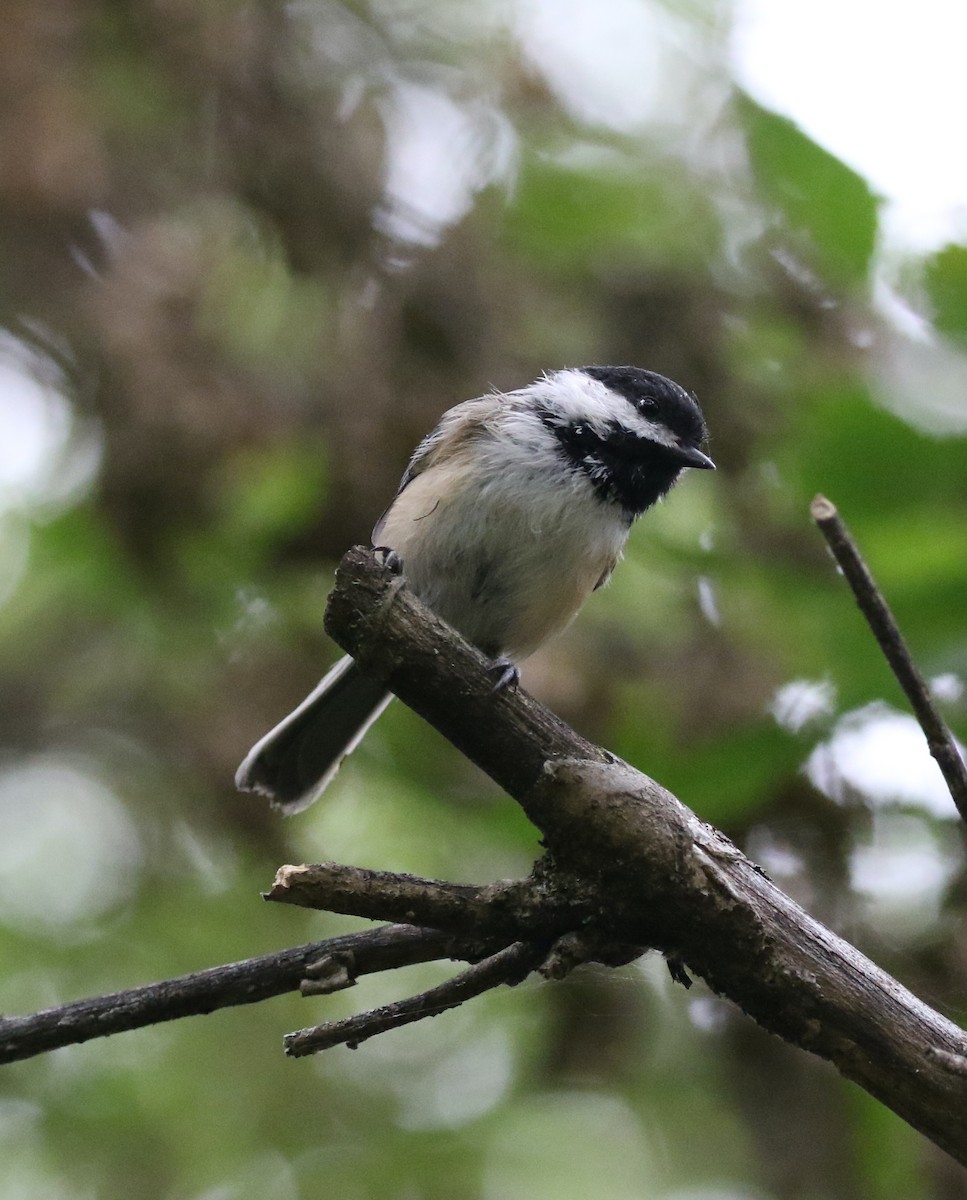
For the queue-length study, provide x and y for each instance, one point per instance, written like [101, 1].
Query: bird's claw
[506, 673]
[676, 969]
[391, 560]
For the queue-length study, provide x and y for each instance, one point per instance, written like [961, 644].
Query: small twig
[510, 966]
[244, 982]
[508, 909]
[358, 892]
[881, 621]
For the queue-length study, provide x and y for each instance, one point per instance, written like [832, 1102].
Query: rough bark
[627, 867]
[652, 874]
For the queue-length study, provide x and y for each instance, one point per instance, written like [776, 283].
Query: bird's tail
[295, 762]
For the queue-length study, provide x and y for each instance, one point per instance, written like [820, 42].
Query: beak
[691, 456]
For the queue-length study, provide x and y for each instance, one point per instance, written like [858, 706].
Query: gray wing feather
[457, 425]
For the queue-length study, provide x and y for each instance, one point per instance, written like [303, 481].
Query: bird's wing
[457, 427]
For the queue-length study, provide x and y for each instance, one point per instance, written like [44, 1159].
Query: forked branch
[627, 866]
[649, 873]
[245, 982]
[510, 965]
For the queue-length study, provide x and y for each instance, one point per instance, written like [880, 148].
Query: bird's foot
[676, 969]
[506, 674]
[391, 560]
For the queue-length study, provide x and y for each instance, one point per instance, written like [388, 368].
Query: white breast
[503, 541]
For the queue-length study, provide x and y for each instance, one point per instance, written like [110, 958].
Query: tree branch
[652, 873]
[509, 909]
[317, 967]
[627, 865]
[881, 621]
[510, 965]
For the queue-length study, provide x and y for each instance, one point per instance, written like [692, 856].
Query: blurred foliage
[818, 197]
[945, 278]
[250, 252]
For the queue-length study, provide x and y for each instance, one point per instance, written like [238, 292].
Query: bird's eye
[579, 431]
[647, 404]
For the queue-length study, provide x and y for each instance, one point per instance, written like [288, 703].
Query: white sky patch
[604, 61]
[439, 153]
[948, 688]
[66, 831]
[779, 858]
[923, 384]
[882, 86]
[34, 424]
[903, 871]
[42, 459]
[798, 703]
[881, 754]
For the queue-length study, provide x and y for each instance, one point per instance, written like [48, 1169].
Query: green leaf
[602, 212]
[945, 278]
[817, 194]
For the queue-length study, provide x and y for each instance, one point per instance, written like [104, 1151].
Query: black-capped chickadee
[510, 513]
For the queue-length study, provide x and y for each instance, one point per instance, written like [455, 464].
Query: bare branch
[510, 966]
[881, 621]
[627, 866]
[659, 876]
[509, 908]
[244, 982]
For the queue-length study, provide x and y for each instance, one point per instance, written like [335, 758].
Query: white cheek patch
[579, 398]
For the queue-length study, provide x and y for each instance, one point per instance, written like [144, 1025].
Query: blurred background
[249, 252]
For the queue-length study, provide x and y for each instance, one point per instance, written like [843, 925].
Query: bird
[510, 513]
